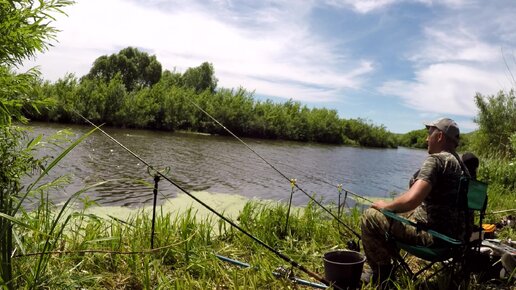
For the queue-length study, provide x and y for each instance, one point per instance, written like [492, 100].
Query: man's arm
[408, 200]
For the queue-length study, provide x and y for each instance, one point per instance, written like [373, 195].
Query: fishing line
[277, 170]
[279, 254]
[338, 186]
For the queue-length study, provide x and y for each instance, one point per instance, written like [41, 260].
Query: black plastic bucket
[344, 268]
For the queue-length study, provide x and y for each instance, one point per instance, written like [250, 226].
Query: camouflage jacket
[440, 210]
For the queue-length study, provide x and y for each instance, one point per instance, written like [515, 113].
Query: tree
[137, 68]
[415, 139]
[200, 78]
[497, 124]
[24, 30]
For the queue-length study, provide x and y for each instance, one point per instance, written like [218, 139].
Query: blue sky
[394, 62]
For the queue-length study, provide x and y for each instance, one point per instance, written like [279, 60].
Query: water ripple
[222, 164]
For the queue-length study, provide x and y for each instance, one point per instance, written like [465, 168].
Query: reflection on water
[222, 164]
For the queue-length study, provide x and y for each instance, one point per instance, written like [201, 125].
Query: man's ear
[441, 136]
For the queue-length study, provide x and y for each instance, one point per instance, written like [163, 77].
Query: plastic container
[344, 268]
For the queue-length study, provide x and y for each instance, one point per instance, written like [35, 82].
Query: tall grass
[498, 171]
[17, 157]
[93, 252]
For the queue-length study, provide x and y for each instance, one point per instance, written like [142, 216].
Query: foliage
[494, 141]
[136, 68]
[200, 78]
[95, 252]
[498, 171]
[16, 160]
[24, 30]
[414, 139]
[15, 95]
[169, 105]
[367, 134]
[497, 125]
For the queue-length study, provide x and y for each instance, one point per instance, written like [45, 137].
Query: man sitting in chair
[433, 195]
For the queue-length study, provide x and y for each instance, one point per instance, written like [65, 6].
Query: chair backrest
[477, 201]
[477, 195]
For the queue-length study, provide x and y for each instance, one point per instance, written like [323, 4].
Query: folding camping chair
[449, 252]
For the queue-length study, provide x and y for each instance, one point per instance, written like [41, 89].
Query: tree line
[129, 89]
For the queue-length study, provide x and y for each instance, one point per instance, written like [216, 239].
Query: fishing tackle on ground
[280, 272]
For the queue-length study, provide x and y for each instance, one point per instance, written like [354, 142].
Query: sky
[397, 63]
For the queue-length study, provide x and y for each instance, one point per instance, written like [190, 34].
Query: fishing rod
[280, 272]
[500, 211]
[338, 186]
[277, 170]
[221, 216]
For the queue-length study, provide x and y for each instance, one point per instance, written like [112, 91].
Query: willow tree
[137, 68]
[25, 29]
[200, 78]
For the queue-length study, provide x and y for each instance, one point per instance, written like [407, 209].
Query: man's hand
[408, 200]
[379, 204]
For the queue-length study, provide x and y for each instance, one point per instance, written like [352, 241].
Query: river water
[220, 164]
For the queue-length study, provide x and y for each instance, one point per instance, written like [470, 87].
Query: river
[221, 164]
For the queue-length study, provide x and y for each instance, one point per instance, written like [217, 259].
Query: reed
[501, 172]
[94, 252]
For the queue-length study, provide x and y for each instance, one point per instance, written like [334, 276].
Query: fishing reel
[353, 245]
[153, 172]
[284, 272]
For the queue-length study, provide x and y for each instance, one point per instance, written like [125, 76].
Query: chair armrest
[438, 235]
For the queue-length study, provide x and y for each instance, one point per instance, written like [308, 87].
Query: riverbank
[230, 205]
[90, 249]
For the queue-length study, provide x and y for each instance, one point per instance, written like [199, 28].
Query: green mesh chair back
[477, 195]
[474, 196]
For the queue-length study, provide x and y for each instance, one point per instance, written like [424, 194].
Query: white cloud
[367, 6]
[363, 6]
[459, 56]
[455, 44]
[445, 88]
[276, 45]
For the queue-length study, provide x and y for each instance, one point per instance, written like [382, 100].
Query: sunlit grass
[96, 252]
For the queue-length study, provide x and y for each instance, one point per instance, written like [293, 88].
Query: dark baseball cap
[448, 127]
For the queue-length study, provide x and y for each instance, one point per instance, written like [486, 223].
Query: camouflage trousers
[377, 248]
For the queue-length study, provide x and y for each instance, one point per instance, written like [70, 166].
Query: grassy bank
[93, 250]
[96, 252]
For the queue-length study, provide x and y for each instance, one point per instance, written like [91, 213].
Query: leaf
[52, 165]
[20, 223]
[44, 258]
[34, 142]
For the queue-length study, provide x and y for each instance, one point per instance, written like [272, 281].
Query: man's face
[432, 140]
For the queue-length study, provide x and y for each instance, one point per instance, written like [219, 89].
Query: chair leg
[457, 275]
[426, 268]
[463, 276]
[399, 261]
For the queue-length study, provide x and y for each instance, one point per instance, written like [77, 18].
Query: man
[434, 195]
